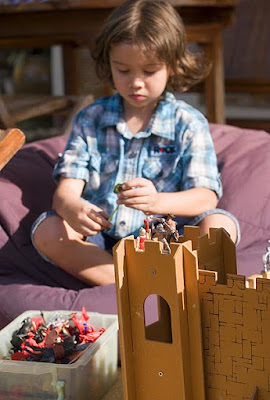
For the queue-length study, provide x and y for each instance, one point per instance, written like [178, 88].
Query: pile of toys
[59, 340]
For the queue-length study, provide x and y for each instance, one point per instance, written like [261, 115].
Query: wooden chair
[15, 109]
[11, 140]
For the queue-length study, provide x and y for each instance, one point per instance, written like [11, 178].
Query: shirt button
[122, 223]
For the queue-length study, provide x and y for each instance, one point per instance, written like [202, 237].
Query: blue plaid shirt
[175, 152]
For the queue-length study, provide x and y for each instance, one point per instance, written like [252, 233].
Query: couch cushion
[26, 188]
[244, 163]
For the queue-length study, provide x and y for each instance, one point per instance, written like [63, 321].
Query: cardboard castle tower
[209, 339]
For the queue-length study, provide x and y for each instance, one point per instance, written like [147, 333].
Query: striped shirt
[175, 152]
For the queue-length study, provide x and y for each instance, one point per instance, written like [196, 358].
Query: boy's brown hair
[157, 29]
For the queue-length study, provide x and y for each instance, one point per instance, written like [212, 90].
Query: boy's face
[138, 78]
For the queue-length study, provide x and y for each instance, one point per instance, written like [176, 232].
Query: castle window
[157, 323]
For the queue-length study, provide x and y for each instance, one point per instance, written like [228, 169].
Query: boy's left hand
[140, 194]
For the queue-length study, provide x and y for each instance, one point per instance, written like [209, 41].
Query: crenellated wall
[215, 252]
[211, 340]
[235, 330]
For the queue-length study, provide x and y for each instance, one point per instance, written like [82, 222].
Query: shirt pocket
[152, 168]
[155, 168]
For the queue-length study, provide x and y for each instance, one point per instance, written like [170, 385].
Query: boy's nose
[136, 82]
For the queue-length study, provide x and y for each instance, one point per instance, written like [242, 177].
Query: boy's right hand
[85, 218]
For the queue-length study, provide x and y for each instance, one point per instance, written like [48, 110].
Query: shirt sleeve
[199, 160]
[80, 151]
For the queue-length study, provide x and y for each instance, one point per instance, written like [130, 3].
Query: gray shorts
[106, 242]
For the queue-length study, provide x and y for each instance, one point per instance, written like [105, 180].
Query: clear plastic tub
[89, 377]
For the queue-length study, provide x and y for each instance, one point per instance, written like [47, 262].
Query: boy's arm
[141, 194]
[84, 217]
[187, 203]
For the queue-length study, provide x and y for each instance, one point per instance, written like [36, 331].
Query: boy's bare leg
[219, 221]
[65, 247]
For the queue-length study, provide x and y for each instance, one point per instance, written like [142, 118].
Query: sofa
[28, 282]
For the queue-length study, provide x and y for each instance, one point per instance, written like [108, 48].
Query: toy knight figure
[266, 259]
[160, 233]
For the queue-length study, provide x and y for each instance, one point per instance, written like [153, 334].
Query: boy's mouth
[137, 97]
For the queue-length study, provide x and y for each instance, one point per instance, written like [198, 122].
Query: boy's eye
[149, 72]
[123, 71]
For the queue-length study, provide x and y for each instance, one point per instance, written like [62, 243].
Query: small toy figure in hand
[141, 239]
[160, 233]
[117, 189]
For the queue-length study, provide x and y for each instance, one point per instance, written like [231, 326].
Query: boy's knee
[49, 231]
[44, 233]
[219, 221]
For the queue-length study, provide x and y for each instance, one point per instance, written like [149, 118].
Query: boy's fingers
[134, 192]
[100, 219]
[104, 215]
[136, 182]
[89, 232]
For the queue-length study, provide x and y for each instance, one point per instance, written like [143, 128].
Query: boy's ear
[170, 71]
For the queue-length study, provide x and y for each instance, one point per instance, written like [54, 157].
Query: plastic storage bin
[88, 378]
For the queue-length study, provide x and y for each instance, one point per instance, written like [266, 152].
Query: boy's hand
[87, 219]
[140, 194]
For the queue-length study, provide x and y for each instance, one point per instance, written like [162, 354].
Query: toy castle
[209, 338]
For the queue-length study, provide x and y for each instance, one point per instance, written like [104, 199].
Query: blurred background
[246, 50]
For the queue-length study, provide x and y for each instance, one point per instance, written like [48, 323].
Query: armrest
[11, 140]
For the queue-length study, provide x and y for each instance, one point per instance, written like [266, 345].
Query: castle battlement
[211, 338]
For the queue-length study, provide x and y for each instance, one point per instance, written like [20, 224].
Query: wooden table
[74, 24]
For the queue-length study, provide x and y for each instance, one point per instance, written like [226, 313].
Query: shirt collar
[113, 111]
[162, 122]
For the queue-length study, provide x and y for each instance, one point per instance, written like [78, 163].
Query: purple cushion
[26, 188]
[27, 281]
[244, 162]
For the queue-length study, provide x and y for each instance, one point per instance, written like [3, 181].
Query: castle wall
[220, 328]
[236, 333]
[155, 365]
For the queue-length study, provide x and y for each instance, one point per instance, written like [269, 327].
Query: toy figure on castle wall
[141, 239]
[169, 225]
[147, 225]
[266, 259]
[160, 233]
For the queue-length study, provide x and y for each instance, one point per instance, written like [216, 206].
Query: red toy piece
[58, 341]
[141, 239]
